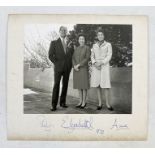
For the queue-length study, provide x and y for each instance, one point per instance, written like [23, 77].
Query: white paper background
[28, 127]
[83, 10]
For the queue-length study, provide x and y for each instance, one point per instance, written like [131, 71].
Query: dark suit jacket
[58, 57]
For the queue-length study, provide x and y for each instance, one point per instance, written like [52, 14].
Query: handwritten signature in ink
[72, 124]
[45, 124]
[118, 126]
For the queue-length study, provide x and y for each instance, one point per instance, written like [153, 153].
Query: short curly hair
[100, 30]
[81, 35]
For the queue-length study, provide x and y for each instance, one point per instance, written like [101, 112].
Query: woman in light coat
[100, 75]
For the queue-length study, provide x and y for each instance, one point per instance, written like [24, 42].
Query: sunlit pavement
[36, 102]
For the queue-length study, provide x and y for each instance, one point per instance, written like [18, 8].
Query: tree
[120, 36]
[36, 51]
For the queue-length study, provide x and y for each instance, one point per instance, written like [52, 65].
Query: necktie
[64, 44]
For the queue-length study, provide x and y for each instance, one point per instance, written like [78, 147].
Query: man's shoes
[53, 109]
[63, 106]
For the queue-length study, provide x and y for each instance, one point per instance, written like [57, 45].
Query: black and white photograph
[77, 77]
[77, 68]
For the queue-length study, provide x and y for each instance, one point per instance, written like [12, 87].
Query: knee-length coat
[101, 54]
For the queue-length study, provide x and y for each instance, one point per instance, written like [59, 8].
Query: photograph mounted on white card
[77, 77]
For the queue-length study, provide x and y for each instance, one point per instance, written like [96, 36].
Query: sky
[34, 30]
[34, 33]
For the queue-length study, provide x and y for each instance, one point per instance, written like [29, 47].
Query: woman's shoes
[78, 106]
[110, 108]
[99, 107]
[82, 107]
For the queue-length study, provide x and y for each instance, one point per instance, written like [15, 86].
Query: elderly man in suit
[60, 54]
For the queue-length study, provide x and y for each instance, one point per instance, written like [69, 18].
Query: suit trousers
[58, 75]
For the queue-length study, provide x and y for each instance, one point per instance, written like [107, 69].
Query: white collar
[63, 38]
[103, 44]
